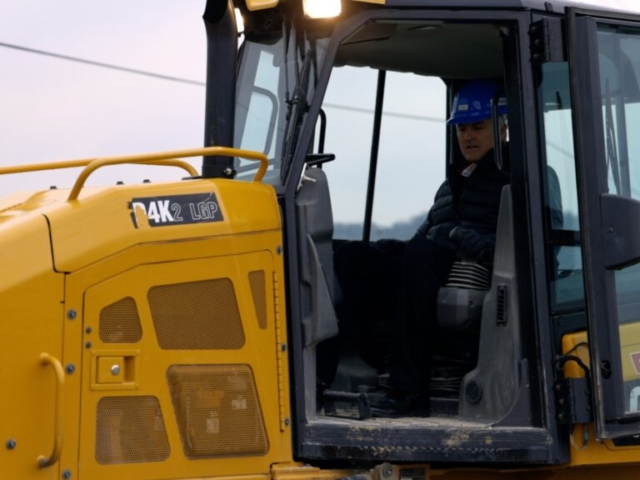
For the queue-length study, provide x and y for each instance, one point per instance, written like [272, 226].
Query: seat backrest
[315, 234]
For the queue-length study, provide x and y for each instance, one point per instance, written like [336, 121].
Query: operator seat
[459, 311]
[460, 300]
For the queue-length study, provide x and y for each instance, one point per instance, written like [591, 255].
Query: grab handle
[43, 461]
[168, 158]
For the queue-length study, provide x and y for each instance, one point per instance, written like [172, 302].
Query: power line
[192, 82]
[407, 116]
[103, 65]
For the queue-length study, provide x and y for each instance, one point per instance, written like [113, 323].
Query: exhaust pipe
[222, 52]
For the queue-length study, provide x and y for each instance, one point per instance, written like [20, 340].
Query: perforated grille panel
[197, 315]
[258, 291]
[217, 410]
[130, 430]
[120, 323]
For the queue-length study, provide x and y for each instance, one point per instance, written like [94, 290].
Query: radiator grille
[120, 323]
[200, 315]
[130, 430]
[217, 410]
[259, 294]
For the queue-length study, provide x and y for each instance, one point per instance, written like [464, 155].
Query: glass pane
[258, 107]
[349, 131]
[568, 282]
[560, 156]
[561, 193]
[267, 115]
[263, 113]
[619, 56]
[412, 140]
[412, 154]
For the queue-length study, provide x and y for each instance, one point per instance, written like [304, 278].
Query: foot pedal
[361, 400]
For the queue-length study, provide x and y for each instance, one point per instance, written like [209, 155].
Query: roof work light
[322, 8]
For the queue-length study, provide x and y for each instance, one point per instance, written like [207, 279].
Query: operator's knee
[348, 255]
[416, 253]
[423, 257]
[351, 261]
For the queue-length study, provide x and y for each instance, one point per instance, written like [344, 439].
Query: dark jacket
[467, 201]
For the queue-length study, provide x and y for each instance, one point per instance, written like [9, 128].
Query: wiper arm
[296, 108]
[612, 148]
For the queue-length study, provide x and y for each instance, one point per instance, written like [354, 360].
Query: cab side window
[410, 150]
[619, 59]
[412, 156]
[350, 113]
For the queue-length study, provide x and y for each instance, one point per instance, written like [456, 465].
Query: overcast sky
[52, 109]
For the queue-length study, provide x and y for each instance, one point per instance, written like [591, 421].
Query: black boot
[398, 403]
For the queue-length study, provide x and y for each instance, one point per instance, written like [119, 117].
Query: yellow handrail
[43, 461]
[168, 156]
[37, 167]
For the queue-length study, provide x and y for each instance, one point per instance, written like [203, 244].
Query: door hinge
[573, 400]
[539, 42]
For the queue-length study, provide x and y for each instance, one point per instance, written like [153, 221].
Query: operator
[399, 281]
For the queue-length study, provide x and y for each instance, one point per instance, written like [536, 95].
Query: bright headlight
[322, 8]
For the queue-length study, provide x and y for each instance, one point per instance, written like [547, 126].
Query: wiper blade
[297, 106]
[612, 148]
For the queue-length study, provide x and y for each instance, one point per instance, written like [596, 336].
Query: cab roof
[449, 50]
[557, 6]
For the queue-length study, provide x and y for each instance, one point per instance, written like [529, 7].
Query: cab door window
[619, 58]
[563, 222]
[605, 73]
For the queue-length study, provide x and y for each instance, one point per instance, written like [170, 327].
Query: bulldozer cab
[351, 111]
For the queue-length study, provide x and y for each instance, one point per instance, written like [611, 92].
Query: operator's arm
[441, 199]
[424, 228]
[473, 244]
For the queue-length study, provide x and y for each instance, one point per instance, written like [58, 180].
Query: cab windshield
[276, 81]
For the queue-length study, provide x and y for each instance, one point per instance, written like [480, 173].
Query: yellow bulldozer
[172, 330]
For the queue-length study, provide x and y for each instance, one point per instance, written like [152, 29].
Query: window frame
[556, 237]
[611, 420]
[313, 438]
[378, 135]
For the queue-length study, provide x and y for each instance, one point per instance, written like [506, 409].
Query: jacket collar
[486, 165]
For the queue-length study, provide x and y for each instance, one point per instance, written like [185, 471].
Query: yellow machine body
[171, 336]
[586, 450]
[172, 342]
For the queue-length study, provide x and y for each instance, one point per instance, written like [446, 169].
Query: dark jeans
[389, 291]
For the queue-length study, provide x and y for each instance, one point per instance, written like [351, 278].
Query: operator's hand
[473, 244]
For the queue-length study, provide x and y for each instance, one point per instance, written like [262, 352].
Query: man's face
[475, 139]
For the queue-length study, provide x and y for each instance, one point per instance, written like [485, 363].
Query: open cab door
[605, 75]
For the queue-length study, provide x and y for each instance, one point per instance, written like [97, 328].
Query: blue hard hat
[473, 102]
